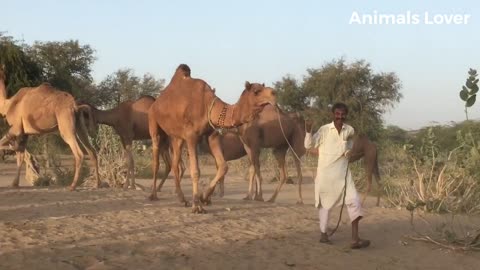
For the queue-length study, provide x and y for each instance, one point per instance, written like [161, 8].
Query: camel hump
[183, 70]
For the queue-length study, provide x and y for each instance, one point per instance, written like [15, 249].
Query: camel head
[253, 99]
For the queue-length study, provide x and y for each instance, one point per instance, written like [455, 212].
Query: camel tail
[91, 124]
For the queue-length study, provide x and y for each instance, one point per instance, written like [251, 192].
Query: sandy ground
[52, 228]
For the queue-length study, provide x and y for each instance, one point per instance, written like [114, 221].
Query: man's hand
[348, 154]
[308, 125]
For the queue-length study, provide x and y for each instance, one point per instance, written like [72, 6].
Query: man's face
[339, 116]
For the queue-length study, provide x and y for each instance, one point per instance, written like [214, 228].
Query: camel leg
[127, 162]
[300, 180]
[176, 159]
[91, 153]
[20, 158]
[78, 155]
[221, 187]
[222, 167]
[154, 134]
[168, 167]
[130, 181]
[280, 156]
[254, 156]
[251, 178]
[195, 174]
[66, 127]
[368, 172]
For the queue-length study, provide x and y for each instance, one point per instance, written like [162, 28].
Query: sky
[227, 43]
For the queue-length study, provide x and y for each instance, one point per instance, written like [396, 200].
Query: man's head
[339, 113]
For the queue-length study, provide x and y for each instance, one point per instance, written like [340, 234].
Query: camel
[187, 110]
[267, 132]
[130, 121]
[40, 110]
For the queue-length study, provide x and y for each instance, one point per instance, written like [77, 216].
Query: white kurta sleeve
[313, 141]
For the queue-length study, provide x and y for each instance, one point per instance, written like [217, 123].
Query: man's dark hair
[340, 105]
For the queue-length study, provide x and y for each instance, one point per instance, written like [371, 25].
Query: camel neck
[224, 115]
[107, 117]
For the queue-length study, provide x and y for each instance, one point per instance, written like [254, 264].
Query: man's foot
[324, 239]
[360, 244]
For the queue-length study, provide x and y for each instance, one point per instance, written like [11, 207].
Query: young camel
[40, 110]
[187, 110]
[364, 148]
[130, 121]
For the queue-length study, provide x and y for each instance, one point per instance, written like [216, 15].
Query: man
[334, 142]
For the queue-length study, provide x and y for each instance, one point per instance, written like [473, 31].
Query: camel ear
[214, 90]
[263, 84]
[248, 85]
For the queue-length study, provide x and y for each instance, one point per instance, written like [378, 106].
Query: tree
[66, 65]
[368, 94]
[21, 69]
[124, 85]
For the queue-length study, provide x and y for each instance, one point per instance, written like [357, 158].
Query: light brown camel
[130, 121]
[40, 110]
[187, 110]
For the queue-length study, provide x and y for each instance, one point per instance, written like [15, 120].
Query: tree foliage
[66, 65]
[367, 93]
[124, 85]
[21, 69]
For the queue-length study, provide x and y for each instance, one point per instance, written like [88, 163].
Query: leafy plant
[469, 90]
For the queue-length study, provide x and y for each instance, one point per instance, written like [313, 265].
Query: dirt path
[115, 229]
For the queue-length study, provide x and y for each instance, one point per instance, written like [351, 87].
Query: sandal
[324, 239]
[360, 244]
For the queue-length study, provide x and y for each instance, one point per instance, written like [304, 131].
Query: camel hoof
[72, 188]
[248, 198]
[15, 186]
[198, 210]
[299, 202]
[153, 197]
[187, 203]
[271, 200]
[259, 199]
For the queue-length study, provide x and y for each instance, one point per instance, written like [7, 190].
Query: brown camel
[267, 132]
[40, 110]
[187, 110]
[130, 121]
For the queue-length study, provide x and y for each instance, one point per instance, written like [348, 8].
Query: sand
[53, 228]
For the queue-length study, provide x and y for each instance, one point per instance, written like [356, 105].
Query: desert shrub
[432, 178]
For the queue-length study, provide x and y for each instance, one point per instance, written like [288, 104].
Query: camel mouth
[265, 103]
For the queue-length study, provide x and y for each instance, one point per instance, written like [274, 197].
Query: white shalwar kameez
[331, 170]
